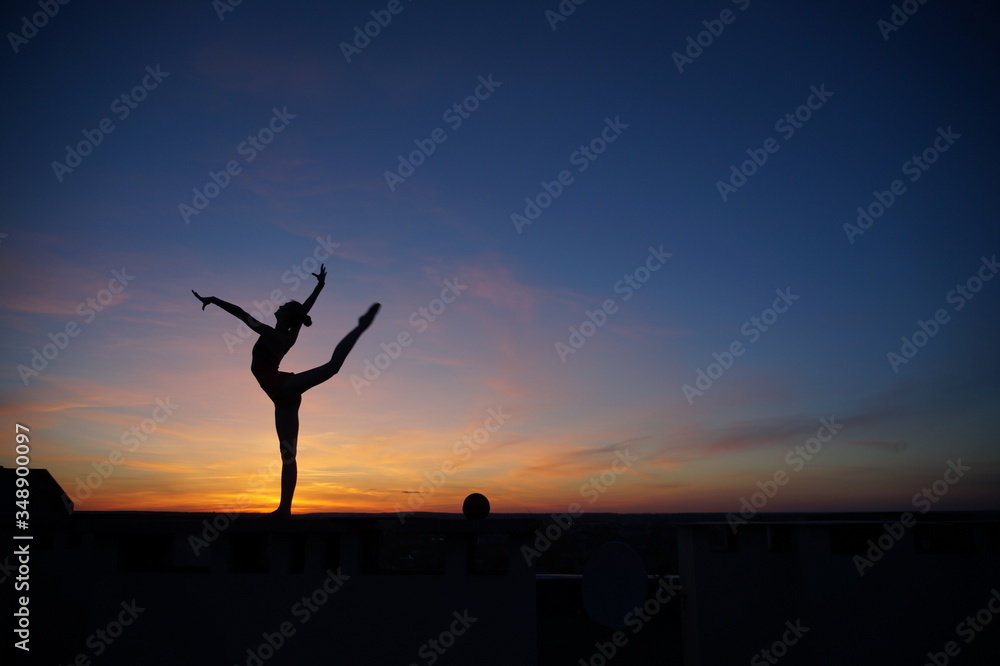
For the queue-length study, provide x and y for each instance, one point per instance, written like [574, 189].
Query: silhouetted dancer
[285, 389]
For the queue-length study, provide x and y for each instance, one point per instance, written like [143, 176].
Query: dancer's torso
[268, 351]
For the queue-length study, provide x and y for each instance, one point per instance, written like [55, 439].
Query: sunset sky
[304, 125]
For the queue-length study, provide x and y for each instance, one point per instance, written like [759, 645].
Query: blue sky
[343, 125]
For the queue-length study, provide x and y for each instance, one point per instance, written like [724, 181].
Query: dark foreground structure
[246, 590]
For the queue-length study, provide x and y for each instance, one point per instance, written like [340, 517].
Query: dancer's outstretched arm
[234, 310]
[321, 281]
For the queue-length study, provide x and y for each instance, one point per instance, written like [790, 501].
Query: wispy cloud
[881, 445]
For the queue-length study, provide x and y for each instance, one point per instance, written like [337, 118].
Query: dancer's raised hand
[321, 276]
[204, 300]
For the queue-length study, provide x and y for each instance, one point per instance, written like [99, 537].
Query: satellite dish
[614, 583]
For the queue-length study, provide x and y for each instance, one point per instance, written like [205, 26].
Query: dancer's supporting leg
[286, 422]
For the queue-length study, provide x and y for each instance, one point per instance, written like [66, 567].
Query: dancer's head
[292, 314]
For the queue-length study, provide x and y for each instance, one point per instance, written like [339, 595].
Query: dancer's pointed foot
[367, 318]
[281, 513]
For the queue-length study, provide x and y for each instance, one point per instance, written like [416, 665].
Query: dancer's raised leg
[303, 381]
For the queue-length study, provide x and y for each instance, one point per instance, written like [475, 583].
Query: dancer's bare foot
[281, 513]
[367, 318]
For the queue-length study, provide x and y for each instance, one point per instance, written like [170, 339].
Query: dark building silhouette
[168, 588]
